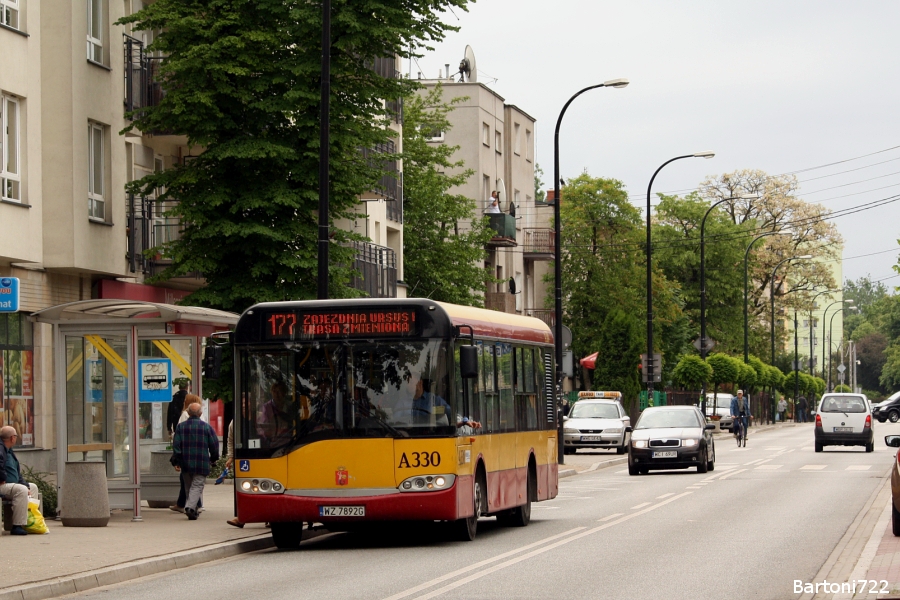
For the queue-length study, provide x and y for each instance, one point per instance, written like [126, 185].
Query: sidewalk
[71, 559]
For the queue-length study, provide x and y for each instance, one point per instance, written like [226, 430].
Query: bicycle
[741, 432]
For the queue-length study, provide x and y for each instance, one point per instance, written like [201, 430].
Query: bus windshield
[309, 391]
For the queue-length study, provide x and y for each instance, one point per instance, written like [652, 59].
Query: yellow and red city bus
[358, 410]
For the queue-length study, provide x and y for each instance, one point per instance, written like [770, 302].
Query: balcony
[504, 227]
[377, 267]
[546, 315]
[500, 301]
[386, 67]
[149, 230]
[390, 186]
[142, 82]
[538, 244]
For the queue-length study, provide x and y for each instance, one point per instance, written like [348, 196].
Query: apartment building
[497, 141]
[68, 229]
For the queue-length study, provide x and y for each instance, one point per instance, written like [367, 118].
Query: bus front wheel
[465, 530]
[287, 536]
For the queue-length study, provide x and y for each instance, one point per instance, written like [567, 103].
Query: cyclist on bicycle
[739, 412]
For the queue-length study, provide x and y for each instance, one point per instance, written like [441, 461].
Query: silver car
[596, 424]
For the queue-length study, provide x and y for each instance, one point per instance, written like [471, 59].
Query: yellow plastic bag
[35, 522]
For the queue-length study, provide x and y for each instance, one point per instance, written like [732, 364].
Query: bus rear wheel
[520, 516]
[287, 536]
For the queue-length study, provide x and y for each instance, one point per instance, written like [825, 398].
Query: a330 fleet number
[419, 459]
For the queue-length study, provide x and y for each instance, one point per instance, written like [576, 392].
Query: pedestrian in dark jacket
[12, 482]
[195, 447]
[176, 407]
[802, 407]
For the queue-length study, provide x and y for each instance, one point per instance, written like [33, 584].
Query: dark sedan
[671, 437]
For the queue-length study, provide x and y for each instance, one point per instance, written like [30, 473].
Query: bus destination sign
[297, 325]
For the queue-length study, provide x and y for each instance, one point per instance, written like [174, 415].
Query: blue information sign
[155, 383]
[9, 294]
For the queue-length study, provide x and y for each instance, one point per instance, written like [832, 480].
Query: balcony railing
[538, 244]
[504, 227]
[546, 315]
[386, 67]
[377, 267]
[142, 83]
[390, 186]
[149, 230]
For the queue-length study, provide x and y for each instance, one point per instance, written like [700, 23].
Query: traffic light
[212, 361]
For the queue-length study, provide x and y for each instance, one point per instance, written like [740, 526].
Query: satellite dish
[467, 66]
[501, 191]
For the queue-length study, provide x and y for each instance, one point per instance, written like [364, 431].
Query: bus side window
[491, 404]
[505, 385]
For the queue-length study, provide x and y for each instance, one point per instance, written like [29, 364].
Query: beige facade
[497, 141]
[69, 76]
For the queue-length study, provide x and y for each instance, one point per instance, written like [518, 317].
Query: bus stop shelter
[116, 363]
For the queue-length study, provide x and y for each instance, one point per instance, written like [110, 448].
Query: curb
[563, 473]
[79, 582]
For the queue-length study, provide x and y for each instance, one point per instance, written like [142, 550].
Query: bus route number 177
[419, 459]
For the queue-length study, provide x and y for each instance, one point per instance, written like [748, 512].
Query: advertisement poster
[17, 393]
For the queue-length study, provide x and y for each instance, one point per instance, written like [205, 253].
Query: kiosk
[115, 363]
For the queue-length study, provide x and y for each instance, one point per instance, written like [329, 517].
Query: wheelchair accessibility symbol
[244, 466]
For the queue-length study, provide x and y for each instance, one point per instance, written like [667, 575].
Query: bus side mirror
[468, 362]
[212, 361]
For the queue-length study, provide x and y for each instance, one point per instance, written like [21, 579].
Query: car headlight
[570, 430]
[688, 443]
[613, 430]
[639, 443]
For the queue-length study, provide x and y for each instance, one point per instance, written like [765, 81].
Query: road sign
[656, 363]
[9, 294]
[841, 369]
[710, 344]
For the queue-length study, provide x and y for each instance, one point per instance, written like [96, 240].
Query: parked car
[720, 405]
[888, 410]
[596, 423]
[671, 437]
[894, 442]
[844, 420]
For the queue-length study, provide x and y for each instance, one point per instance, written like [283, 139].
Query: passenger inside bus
[425, 404]
[274, 422]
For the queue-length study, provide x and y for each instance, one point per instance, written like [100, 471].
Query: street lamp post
[830, 325]
[703, 342]
[827, 347]
[322, 276]
[557, 248]
[772, 298]
[649, 251]
[746, 285]
[812, 330]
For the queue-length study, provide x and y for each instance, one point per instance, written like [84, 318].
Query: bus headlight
[427, 483]
[261, 486]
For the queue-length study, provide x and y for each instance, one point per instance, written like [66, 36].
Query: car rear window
[843, 404]
[590, 410]
[667, 418]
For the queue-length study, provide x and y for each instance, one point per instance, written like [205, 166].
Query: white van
[720, 404]
[844, 420]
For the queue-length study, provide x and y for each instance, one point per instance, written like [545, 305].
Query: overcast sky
[778, 86]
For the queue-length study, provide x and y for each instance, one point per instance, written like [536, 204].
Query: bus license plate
[666, 454]
[843, 429]
[591, 438]
[342, 511]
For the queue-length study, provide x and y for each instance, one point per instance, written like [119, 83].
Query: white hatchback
[844, 420]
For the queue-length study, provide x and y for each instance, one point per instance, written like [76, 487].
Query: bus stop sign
[9, 294]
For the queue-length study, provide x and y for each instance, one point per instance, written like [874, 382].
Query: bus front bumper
[409, 506]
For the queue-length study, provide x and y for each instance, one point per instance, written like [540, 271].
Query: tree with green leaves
[759, 368]
[692, 372]
[242, 84]
[444, 249]
[618, 356]
[725, 369]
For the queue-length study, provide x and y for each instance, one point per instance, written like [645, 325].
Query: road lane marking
[702, 483]
[764, 461]
[768, 467]
[641, 505]
[812, 467]
[545, 507]
[477, 565]
[730, 473]
[693, 487]
[461, 582]
[611, 517]
[753, 462]
[665, 495]
[620, 472]
[858, 468]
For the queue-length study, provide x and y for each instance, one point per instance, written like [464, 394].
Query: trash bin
[85, 495]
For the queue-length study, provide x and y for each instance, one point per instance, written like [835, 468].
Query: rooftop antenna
[467, 70]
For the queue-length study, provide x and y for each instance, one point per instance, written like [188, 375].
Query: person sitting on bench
[12, 482]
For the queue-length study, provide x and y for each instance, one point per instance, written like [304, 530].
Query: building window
[433, 135]
[498, 142]
[95, 30]
[10, 171]
[17, 373]
[529, 153]
[486, 134]
[517, 140]
[9, 13]
[96, 158]
[486, 184]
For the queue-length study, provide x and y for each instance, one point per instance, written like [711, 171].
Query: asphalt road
[769, 514]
